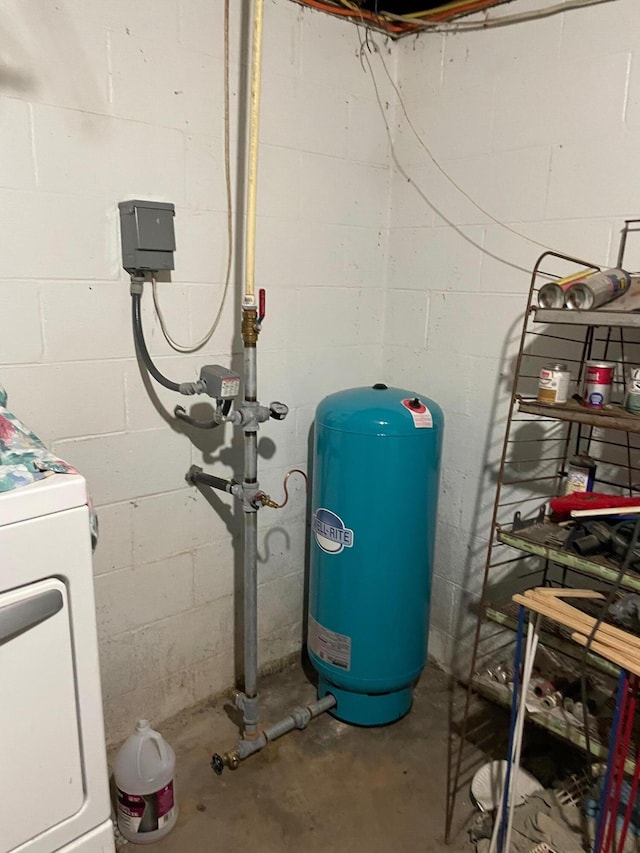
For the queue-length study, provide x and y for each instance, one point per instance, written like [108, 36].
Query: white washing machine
[54, 793]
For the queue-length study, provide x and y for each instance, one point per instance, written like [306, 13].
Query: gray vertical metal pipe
[250, 546]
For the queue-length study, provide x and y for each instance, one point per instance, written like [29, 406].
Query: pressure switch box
[148, 237]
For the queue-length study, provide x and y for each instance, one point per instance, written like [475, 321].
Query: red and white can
[598, 379]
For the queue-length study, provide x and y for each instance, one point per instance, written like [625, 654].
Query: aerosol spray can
[581, 473]
[552, 294]
[597, 289]
[632, 397]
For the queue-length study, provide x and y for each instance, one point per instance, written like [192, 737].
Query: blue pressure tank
[375, 494]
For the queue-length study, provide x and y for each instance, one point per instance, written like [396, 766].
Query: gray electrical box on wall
[148, 238]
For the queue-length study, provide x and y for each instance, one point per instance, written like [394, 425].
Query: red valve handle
[262, 304]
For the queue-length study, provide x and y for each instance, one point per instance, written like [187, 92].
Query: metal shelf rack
[525, 548]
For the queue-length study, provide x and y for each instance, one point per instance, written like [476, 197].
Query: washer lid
[53, 494]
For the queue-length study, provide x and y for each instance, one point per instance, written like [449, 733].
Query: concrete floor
[332, 787]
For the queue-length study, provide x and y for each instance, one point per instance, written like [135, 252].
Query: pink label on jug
[147, 812]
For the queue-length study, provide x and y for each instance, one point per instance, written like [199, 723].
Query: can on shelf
[598, 379]
[552, 294]
[553, 384]
[632, 397]
[597, 289]
[581, 474]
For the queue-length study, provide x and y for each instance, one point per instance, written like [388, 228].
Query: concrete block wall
[104, 101]
[369, 276]
[539, 124]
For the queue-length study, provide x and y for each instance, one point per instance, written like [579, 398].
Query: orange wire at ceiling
[359, 15]
[409, 23]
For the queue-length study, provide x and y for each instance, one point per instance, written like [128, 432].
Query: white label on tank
[421, 415]
[332, 534]
[328, 645]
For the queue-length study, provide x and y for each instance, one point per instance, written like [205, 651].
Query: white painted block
[115, 540]
[339, 317]
[330, 54]
[128, 465]
[119, 665]
[407, 367]
[213, 676]
[164, 84]
[95, 155]
[201, 26]
[322, 252]
[420, 66]
[52, 398]
[409, 209]
[601, 30]
[280, 243]
[134, 597]
[53, 57]
[464, 443]
[160, 700]
[173, 299]
[17, 166]
[279, 603]
[607, 191]
[441, 648]
[305, 416]
[215, 566]
[406, 315]
[341, 367]
[146, 18]
[455, 121]
[279, 107]
[279, 181]
[50, 238]
[487, 320]
[451, 553]
[366, 254]
[282, 547]
[178, 643]
[173, 523]
[510, 185]
[282, 38]
[341, 192]
[206, 304]
[22, 337]
[436, 258]
[201, 246]
[280, 644]
[86, 321]
[442, 604]
[205, 186]
[484, 56]
[561, 100]
[452, 485]
[368, 140]
[327, 125]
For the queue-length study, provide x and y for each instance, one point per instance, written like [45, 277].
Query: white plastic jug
[143, 770]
